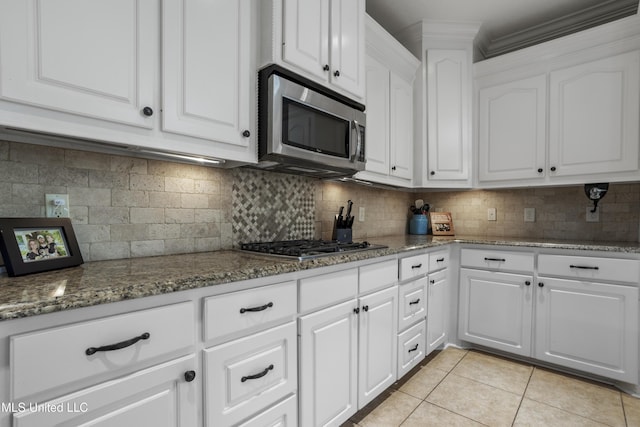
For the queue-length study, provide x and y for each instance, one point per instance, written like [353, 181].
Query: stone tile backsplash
[123, 207]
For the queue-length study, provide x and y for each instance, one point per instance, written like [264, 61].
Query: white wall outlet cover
[361, 213]
[491, 214]
[56, 205]
[529, 214]
[592, 216]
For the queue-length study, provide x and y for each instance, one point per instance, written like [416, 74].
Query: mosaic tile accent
[269, 206]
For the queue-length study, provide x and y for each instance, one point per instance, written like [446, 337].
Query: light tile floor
[470, 388]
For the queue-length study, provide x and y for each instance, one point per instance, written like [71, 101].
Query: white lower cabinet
[246, 376]
[495, 310]
[329, 365]
[437, 290]
[347, 350]
[163, 396]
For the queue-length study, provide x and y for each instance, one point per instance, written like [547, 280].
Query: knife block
[341, 235]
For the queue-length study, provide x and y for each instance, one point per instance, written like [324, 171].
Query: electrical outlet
[593, 216]
[56, 205]
[361, 214]
[529, 214]
[491, 214]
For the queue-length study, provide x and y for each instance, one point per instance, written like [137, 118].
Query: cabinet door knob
[527, 283]
[540, 284]
[393, 168]
[189, 376]
[432, 281]
[356, 310]
[147, 111]
[433, 173]
[246, 134]
[540, 170]
[553, 168]
[326, 67]
[336, 73]
[365, 307]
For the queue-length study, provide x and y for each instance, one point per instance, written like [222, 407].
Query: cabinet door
[95, 59]
[412, 303]
[306, 36]
[377, 144]
[347, 45]
[437, 309]
[594, 109]
[448, 114]
[377, 353]
[206, 66]
[512, 128]
[495, 310]
[588, 326]
[328, 365]
[159, 396]
[401, 127]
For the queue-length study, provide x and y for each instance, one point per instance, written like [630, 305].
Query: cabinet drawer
[412, 302]
[327, 289]
[47, 359]
[497, 260]
[378, 276]
[283, 414]
[411, 348]
[438, 260]
[590, 268]
[245, 376]
[249, 310]
[414, 266]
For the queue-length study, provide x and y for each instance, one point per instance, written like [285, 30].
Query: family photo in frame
[31, 245]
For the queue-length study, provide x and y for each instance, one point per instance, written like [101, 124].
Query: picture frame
[441, 223]
[33, 245]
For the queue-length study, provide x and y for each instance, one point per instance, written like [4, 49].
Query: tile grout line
[515, 417]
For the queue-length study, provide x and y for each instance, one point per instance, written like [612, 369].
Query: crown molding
[602, 13]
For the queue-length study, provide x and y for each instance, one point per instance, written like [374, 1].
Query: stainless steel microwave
[306, 129]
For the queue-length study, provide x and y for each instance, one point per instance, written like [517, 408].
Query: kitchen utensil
[339, 218]
[419, 203]
[349, 206]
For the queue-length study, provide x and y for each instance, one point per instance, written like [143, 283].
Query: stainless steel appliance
[306, 129]
[307, 248]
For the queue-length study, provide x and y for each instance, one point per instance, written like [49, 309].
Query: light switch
[491, 214]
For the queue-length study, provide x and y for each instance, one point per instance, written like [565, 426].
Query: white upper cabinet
[512, 130]
[443, 102]
[95, 59]
[562, 112]
[390, 73]
[593, 116]
[207, 70]
[171, 76]
[322, 40]
[448, 114]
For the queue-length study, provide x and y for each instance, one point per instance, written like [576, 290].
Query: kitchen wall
[124, 207]
[560, 212]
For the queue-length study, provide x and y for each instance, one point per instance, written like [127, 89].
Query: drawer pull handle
[414, 348]
[416, 266]
[262, 307]
[494, 259]
[584, 267]
[117, 346]
[414, 302]
[440, 260]
[256, 376]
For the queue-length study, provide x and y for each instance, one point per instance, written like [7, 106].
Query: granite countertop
[102, 282]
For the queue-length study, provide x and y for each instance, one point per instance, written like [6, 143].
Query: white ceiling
[499, 18]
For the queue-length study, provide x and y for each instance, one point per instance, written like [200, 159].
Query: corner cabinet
[323, 40]
[568, 119]
[171, 76]
[390, 72]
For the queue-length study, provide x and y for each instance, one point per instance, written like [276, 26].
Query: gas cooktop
[307, 248]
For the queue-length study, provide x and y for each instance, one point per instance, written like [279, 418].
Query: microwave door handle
[355, 155]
